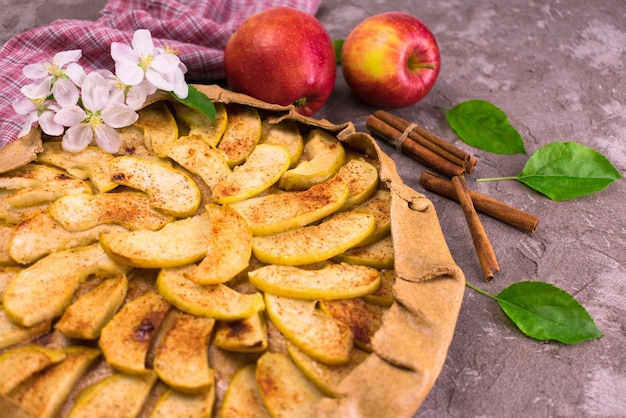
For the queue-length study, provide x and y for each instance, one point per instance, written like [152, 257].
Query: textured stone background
[558, 70]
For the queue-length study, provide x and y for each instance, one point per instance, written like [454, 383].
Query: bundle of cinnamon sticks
[452, 162]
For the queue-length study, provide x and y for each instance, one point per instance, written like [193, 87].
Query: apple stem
[429, 66]
[415, 64]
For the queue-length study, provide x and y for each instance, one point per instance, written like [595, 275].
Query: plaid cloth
[198, 29]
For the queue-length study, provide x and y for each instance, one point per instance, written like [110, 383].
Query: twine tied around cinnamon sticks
[451, 161]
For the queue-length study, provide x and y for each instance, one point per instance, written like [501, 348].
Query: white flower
[96, 119]
[160, 67]
[37, 109]
[61, 74]
[133, 96]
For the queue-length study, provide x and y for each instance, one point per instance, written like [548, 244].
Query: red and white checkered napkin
[197, 29]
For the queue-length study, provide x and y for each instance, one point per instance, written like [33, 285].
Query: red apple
[282, 56]
[390, 60]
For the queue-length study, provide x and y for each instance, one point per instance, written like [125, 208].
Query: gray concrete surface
[558, 69]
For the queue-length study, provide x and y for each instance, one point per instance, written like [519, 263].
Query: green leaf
[483, 125]
[338, 45]
[566, 170]
[545, 312]
[198, 101]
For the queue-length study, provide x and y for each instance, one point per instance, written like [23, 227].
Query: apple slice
[362, 178]
[12, 333]
[296, 209]
[215, 301]
[119, 392]
[325, 376]
[13, 216]
[159, 127]
[176, 404]
[363, 318]
[42, 291]
[91, 163]
[126, 338]
[285, 391]
[5, 236]
[229, 249]
[242, 133]
[243, 398]
[314, 243]
[323, 156]
[37, 184]
[7, 273]
[133, 143]
[170, 190]
[378, 205]
[80, 319]
[285, 133]
[200, 158]
[131, 210]
[19, 363]
[316, 333]
[244, 336]
[261, 169]
[200, 125]
[176, 244]
[333, 281]
[41, 235]
[181, 356]
[379, 255]
[384, 295]
[45, 394]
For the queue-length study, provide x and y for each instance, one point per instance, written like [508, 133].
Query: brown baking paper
[411, 346]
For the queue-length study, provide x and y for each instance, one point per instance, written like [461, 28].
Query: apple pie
[260, 263]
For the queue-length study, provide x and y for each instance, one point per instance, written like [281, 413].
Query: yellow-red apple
[283, 56]
[390, 60]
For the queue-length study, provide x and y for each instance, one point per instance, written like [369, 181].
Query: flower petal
[23, 106]
[28, 124]
[35, 71]
[65, 92]
[159, 81]
[70, 116]
[107, 138]
[37, 90]
[65, 57]
[136, 96]
[48, 125]
[181, 89]
[142, 42]
[76, 73]
[119, 115]
[123, 54]
[77, 138]
[165, 63]
[95, 92]
[129, 74]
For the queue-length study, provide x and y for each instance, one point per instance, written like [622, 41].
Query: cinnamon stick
[482, 245]
[429, 140]
[412, 148]
[489, 206]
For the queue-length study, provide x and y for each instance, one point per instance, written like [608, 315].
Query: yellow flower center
[54, 70]
[170, 50]
[93, 119]
[145, 61]
[40, 104]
